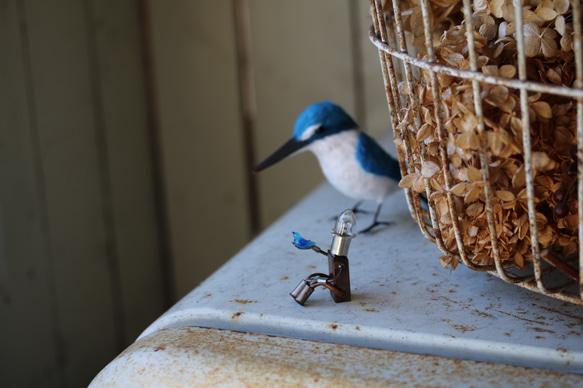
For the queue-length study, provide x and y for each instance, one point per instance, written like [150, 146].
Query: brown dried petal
[472, 195]
[469, 140]
[547, 14]
[561, 6]
[542, 162]
[554, 77]
[543, 109]
[505, 195]
[560, 26]
[502, 30]
[541, 218]
[425, 132]
[459, 189]
[532, 38]
[508, 11]
[496, 7]
[548, 46]
[490, 70]
[419, 185]
[475, 209]
[571, 221]
[545, 236]
[498, 95]
[408, 180]
[436, 185]
[474, 174]
[518, 260]
[480, 5]
[508, 71]
[519, 178]
[488, 31]
[567, 42]
[482, 60]
[498, 50]
[429, 169]
[448, 260]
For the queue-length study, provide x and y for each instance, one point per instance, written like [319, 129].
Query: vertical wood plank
[29, 350]
[301, 54]
[120, 81]
[80, 249]
[200, 134]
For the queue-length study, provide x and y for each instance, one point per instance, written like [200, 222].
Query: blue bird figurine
[350, 159]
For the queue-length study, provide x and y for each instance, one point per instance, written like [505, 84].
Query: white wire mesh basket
[486, 103]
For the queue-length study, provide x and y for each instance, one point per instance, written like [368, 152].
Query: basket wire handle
[522, 76]
[485, 163]
[483, 150]
[414, 105]
[390, 82]
[439, 118]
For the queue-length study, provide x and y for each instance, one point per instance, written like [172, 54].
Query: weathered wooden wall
[124, 170]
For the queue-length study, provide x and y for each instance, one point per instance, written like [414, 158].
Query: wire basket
[490, 133]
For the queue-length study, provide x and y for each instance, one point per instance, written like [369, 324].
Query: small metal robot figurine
[338, 279]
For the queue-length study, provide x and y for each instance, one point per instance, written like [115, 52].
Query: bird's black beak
[291, 146]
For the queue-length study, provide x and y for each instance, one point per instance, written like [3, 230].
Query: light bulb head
[343, 233]
[345, 224]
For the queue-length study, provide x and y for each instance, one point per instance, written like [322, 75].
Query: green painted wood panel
[126, 144]
[200, 135]
[28, 321]
[80, 270]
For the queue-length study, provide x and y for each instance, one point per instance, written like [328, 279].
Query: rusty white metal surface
[197, 357]
[403, 299]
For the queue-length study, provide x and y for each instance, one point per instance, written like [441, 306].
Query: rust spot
[362, 304]
[312, 266]
[284, 278]
[237, 315]
[540, 330]
[563, 313]
[483, 314]
[522, 319]
[334, 326]
[208, 295]
[357, 328]
[244, 301]
[372, 310]
[462, 328]
[160, 347]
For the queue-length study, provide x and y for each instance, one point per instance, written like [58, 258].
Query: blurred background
[127, 132]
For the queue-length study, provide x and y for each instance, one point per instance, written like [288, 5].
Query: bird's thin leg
[375, 221]
[355, 208]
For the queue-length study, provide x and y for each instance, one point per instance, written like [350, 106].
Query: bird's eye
[319, 130]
